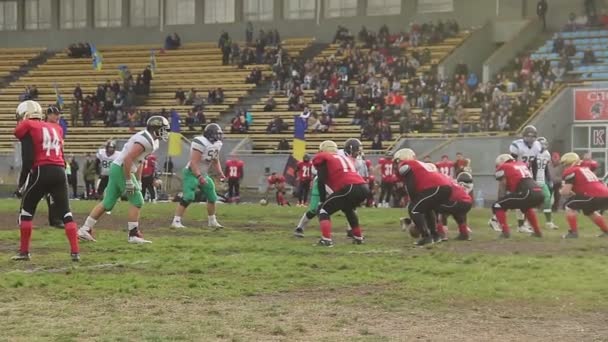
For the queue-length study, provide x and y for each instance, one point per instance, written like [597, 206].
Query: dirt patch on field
[296, 316]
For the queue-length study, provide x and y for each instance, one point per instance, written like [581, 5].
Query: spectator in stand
[541, 11]
[89, 173]
[570, 48]
[190, 97]
[591, 12]
[342, 110]
[173, 42]
[254, 77]
[74, 112]
[276, 125]
[147, 79]
[79, 50]
[588, 57]
[180, 96]
[377, 143]
[462, 70]
[270, 104]
[558, 44]
[238, 124]
[283, 145]
[77, 92]
[249, 33]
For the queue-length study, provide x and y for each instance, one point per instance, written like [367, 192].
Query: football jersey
[149, 166]
[590, 164]
[446, 168]
[277, 179]
[47, 140]
[234, 169]
[542, 162]
[143, 138]
[460, 194]
[524, 153]
[210, 151]
[514, 173]
[425, 176]
[361, 167]
[387, 170]
[584, 182]
[105, 160]
[305, 170]
[341, 170]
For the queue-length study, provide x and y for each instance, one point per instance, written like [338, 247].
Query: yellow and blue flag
[97, 58]
[300, 125]
[175, 137]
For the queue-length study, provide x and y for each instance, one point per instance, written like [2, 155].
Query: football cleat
[216, 225]
[570, 235]
[551, 225]
[424, 241]
[86, 235]
[358, 240]
[75, 257]
[21, 257]
[138, 240]
[325, 243]
[526, 229]
[298, 232]
[495, 225]
[177, 225]
[462, 237]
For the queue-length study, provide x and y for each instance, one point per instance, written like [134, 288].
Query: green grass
[250, 281]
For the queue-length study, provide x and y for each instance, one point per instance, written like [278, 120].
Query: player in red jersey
[47, 175]
[588, 162]
[587, 192]
[459, 205]
[235, 173]
[520, 192]
[371, 183]
[277, 182]
[388, 180]
[304, 177]
[147, 177]
[446, 166]
[348, 190]
[427, 190]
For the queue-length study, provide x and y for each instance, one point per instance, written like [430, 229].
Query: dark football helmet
[158, 126]
[530, 134]
[213, 132]
[353, 147]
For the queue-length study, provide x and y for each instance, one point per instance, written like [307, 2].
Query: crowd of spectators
[263, 50]
[29, 93]
[79, 50]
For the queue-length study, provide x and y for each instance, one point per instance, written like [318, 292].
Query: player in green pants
[311, 212]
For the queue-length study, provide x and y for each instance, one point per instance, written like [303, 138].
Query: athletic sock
[177, 219]
[25, 228]
[303, 221]
[501, 216]
[357, 232]
[548, 216]
[533, 219]
[325, 229]
[212, 219]
[571, 218]
[71, 231]
[463, 229]
[89, 223]
[600, 222]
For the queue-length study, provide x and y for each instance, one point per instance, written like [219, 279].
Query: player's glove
[202, 180]
[129, 187]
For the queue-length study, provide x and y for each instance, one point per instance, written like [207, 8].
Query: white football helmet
[503, 158]
[404, 154]
[29, 110]
[328, 146]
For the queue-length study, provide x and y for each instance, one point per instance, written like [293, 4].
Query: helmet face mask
[352, 147]
[213, 132]
[110, 147]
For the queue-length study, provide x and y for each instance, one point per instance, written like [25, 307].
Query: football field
[253, 281]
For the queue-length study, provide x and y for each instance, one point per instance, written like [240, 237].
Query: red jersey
[304, 171]
[47, 140]
[276, 180]
[387, 170]
[459, 165]
[514, 173]
[584, 182]
[446, 168]
[340, 170]
[460, 194]
[149, 166]
[234, 169]
[590, 164]
[426, 175]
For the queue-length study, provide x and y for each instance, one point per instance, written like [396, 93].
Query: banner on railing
[591, 104]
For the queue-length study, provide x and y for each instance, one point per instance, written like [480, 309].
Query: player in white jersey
[125, 178]
[204, 153]
[105, 158]
[526, 150]
[543, 178]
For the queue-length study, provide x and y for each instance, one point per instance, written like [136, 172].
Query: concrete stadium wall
[468, 13]
[473, 51]
[514, 45]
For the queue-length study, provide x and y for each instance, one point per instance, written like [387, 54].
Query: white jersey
[524, 153]
[143, 138]
[542, 162]
[359, 163]
[105, 161]
[210, 151]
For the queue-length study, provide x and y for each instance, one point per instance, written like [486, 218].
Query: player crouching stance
[125, 173]
[458, 206]
[47, 175]
[204, 152]
[338, 173]
[520, 192]
[427, 190]
[590, 195]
